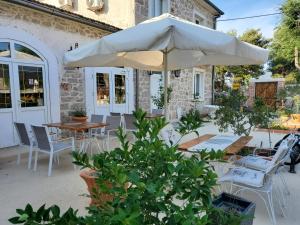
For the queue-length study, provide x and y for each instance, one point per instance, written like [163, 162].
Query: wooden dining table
[77, 127]
[232, 149]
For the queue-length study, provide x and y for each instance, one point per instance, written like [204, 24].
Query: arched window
[21, 72]
[15, 50]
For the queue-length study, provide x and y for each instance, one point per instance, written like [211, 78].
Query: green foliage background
[286, 38]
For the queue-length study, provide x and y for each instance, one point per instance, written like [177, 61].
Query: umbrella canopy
[166, 43]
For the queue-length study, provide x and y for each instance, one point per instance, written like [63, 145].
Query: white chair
[179, 113]
[169, 135]
[94, 133]
[24, 140]
[110, 131]
[129, 123]
[47, 146]
[245, 179]
[263, 163]
[115, 114]
[157, 111]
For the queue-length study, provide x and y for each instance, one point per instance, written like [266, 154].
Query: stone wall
[250, 93]
[144, 96]
[141, 10]
[58, 35]
[72, 90]
[182, 95]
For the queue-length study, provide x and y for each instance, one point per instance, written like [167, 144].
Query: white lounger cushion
[259, 163]
[254, 162]
[241, 175]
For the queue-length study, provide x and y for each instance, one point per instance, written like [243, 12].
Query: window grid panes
[199, 86]
[5, 49]
[5, 93]
[102, 88]
[199, 20]
[120, 89]
[31, 86]
[22, 52]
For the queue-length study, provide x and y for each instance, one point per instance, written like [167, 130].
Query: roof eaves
[215, 7]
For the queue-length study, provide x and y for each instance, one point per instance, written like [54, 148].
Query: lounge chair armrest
[259, 149]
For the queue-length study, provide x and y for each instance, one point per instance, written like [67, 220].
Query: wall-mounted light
[76, 45]
[176, 73]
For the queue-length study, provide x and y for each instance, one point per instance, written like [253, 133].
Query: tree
[252, 36]
[234, 114]
[286, 38]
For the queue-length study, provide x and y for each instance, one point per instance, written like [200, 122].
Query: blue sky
[244, 8]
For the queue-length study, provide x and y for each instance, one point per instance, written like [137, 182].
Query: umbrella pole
[166, 77]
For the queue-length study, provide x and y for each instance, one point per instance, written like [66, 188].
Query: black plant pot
[238, 206]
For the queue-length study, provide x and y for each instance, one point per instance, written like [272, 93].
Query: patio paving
[18, 186]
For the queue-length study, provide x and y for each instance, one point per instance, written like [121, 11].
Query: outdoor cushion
[254, 162]
[169, 135]
[241, 175]
[258, 163]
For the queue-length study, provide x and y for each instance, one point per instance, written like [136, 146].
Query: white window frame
[198, 14]
[153, 10]
[201, 94]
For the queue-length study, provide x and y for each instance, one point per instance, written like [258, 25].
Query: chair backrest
[22, 133]
[281, 151]
[114, 122]
[157, 111]
[179, 113]
[97, 118]
[169, 135]
[129, 120]
[115, 114]
[42, 137]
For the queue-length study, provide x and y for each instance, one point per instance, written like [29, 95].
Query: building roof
[50, 9]
[215, 7]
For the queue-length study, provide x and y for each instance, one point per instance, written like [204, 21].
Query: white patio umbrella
[166, 43]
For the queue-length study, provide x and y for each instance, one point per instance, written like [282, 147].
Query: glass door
[30, 93]
[7, 115]
[120, 91]
[110, 93]
[103, 93]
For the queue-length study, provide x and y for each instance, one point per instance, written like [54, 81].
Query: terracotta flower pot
[97, 198]
[81, 119]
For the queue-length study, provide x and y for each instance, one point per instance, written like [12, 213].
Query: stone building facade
[183, 95]
[46, 31]
[47, 36]
[251, 92]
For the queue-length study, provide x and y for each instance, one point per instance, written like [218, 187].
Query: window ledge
[198, 100]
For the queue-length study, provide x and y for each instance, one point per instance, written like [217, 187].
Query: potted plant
[147, 181]
[97, 198]
[230, 209]
[79, 115]
[233, 113]
[158, 100]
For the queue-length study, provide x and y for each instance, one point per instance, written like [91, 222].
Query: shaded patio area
[65, 188]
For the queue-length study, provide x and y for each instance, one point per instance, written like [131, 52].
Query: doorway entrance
[23, 95]
[109, 89]
[267, 91]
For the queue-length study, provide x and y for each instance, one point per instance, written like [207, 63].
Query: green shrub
[234, 114]
[149, 179]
